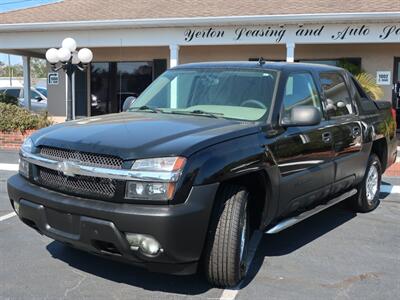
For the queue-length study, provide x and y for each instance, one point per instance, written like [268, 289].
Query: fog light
[134, 240]
[150, 246]
[145, 243]
[16, 207]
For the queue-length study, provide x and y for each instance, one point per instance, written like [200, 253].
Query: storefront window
[351, 64]
[112, 82]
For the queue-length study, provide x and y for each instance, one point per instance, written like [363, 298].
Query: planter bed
[13, 140]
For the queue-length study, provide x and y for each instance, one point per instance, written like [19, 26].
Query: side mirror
[38, 98]
[128, 102]
[302, 116]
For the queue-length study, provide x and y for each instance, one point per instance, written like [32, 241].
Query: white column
[26, 62]
[173, 62]
[290, 52]
[173, 55]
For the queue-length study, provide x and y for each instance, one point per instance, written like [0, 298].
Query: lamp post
[70, 60]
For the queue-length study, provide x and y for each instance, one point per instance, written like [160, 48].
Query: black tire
[361, 202]
[224, 261]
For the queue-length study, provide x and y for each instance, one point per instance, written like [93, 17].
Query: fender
[234, 158]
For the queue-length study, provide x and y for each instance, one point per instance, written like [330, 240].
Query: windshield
[228, 93]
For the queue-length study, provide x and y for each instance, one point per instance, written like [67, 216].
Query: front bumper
[99, 226]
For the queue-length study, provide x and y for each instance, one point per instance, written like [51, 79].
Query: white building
[134, 41]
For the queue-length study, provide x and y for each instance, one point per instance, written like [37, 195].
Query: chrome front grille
[83, 158]
[84, 186]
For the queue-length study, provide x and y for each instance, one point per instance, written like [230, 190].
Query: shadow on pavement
[298, 236]
[128, 274]
[384, 195]
[279, 244]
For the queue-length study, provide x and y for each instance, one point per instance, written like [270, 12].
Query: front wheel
[226, 255]
[367, 198]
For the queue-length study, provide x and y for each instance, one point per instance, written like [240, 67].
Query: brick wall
[13, 140]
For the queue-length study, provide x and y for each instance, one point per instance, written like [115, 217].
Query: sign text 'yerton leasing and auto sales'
[322, 33]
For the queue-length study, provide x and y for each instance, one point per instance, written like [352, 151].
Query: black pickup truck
[207, 155]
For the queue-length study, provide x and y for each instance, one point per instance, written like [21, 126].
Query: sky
[9, 5]
[15, 59]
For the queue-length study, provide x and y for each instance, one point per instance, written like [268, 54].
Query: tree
[368, 82]
[38, 68]
[13, 70]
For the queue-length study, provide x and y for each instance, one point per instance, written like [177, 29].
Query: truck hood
[133, 135]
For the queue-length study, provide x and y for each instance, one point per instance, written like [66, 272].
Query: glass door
[396, 88]
[112, 82]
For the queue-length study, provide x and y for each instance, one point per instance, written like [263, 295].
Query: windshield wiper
[198, 112]
[148, 108]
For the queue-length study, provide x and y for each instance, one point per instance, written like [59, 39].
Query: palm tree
[368, 82]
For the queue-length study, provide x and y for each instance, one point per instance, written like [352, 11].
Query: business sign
[302, 33]
[53, 79]
[383, 78]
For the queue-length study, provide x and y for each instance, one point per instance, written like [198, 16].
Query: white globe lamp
[52, 55]
[75, 59]
[85, 55]
[68, 59]
[69, 43]
[64, 54]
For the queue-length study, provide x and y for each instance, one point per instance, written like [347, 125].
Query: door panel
[347, 129]
[304, 154]
[305, 160]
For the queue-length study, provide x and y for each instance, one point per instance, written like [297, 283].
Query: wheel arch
[380, 149]
[263, 195]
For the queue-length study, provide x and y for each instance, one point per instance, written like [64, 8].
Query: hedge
[8, 99]
[15, 118]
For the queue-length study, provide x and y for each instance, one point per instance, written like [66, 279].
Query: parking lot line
[7, 216]
[230, 294]
[8, 167]
[390, 189]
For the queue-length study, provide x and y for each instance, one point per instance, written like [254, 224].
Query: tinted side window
[13, 92]
[337, 95]
[34, 95]
[361, 93]
[300, 90]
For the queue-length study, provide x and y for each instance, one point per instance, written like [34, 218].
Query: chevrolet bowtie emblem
[68, 168]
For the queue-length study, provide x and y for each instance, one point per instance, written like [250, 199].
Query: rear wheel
[226, 255]
[367, 198]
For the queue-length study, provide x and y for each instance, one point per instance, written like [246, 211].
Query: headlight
[169, 167]
[163, 164]
[150, 190]
[27, 146]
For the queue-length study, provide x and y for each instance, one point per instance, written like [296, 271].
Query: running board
[294, 220]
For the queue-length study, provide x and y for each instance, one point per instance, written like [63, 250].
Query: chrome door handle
[327, 137]
[356, 131]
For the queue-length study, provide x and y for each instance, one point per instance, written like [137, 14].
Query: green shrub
[14, 118]
[8, 99]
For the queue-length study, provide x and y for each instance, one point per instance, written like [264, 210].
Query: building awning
[164, 13]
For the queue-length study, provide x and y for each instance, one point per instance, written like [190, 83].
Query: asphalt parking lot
[334, 255]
